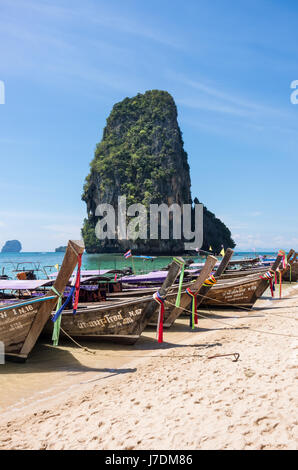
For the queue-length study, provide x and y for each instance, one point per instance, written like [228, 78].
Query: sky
[228, 64]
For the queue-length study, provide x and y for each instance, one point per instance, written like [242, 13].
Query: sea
[44, 262]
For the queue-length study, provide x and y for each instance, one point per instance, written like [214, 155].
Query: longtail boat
[259, 269]
[200, 287]
[241, 292]
[22, 323]
[121, 320]
[291, 273]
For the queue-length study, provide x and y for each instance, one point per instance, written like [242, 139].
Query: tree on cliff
[141, 156]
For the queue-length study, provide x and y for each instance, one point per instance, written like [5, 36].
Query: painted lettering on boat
[17, 311]
[239, 293]
[11, 319]
[16, 323]
[111, 321]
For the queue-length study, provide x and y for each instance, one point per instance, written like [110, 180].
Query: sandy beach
[169, 396]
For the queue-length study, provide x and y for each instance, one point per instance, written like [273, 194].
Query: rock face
[141, 156]
[12, 246]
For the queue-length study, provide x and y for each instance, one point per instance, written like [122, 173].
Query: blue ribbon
[58, 313]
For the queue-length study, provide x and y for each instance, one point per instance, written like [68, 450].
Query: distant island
[60, 249]
[12, 246]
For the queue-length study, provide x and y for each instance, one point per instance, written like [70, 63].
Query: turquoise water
[10, 261]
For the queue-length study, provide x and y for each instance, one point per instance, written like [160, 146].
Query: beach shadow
[275, 307]
[275, 299]
[154, 345]
[225, 317]
[46, 358]
[201, 330]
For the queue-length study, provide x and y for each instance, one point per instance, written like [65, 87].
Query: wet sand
[169, 396]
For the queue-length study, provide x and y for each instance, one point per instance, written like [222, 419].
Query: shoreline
[178, 399]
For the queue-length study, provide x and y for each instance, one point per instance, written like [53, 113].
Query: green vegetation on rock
[141, 156]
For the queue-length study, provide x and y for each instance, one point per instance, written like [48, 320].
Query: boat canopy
[14, 284]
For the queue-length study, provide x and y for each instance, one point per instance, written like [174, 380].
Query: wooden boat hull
[16, 321]
[121, 321]
[22, 323]
[241, 293]
[291, 276]
[118, 321]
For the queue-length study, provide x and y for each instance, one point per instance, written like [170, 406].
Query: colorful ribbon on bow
[178, 298]
[77, 285]
[194, 314]
[269, 277]
[159, 332]
[59, 309]
[284, 267]
[56, 329]
[210, 281]
[280, 283]
[284, 258]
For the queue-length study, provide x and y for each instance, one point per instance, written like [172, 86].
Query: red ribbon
[280, 284]
[271, 287]
[77, 285]
[194, 305]
[269, 276]
[160, 300]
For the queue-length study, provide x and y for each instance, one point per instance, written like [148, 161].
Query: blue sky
[228, 64]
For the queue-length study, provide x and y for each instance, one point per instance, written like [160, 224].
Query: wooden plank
[69, 263]
[123, 319]
[220, 270]
[195, 287]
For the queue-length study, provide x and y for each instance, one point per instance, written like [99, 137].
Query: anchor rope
[233, 326]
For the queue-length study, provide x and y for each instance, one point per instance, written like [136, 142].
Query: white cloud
[255, 214]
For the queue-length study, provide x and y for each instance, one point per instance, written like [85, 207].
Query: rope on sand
[78, 344]
[233, 326]
[202, 316]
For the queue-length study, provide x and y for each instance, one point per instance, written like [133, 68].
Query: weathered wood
[22, 323]
[291, 273]
[119, 321]
[219, 272]
[172, 315]
[234, 274]
[239, 292]
[224, 263]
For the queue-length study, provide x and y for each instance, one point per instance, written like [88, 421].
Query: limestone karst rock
[140, 156]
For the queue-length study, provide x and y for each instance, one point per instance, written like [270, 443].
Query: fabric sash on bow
[280, 283]
[194, 314]
[77, 285]
[159, 332]
[56, 329]
[284, 258]
[210, 281]
[59, 309]
[178, 298]
[284, 267]
[269, 276]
